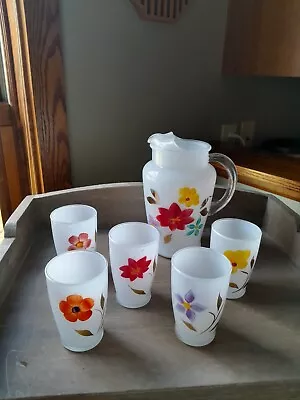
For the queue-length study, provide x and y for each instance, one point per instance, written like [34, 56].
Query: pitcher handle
[229, 166]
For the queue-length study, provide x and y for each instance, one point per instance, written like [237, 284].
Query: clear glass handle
[229, 166]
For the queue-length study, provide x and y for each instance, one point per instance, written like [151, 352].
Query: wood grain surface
[263, 38]
[19, 93]
[13, 113]
[257, 344]
[5, 114]
[11, 173]
[249, 391]
[5, 203]
[32, 49]
[256, 353]
[44, 45]
[274, 173]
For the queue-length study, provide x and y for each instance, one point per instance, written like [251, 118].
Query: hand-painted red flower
[81, 242]
[75, 307]
[135, 269]
[174, 217]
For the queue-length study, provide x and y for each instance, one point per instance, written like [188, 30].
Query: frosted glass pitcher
[178, 187]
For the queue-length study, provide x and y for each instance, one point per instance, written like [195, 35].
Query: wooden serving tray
[256, 353]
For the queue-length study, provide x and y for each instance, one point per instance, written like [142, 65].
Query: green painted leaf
[219, 302]
[190, 233]
[137, 291]
[167, 238]
[233, 285]
[189, 325]
[154, 194]
[204, 212]
[191, 226]
[198, 221]
[83, 332]
[151, 200]
[197, 232]
[102, 302]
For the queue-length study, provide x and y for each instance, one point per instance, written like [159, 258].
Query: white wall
[127, 78]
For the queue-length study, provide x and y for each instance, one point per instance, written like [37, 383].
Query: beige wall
[127, 78]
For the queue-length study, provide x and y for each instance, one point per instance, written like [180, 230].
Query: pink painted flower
[81, 242]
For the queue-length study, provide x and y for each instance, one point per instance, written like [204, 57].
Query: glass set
[201, 278]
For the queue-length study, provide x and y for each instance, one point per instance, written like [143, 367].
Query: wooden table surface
[256, 353]
[274, 173]
[257, 339]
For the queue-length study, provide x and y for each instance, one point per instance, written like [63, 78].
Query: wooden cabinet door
[263, 38]
[32, 53]
[13, 173]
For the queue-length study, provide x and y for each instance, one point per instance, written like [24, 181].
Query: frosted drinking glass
[133, 249]
[74, 227]
[77, 287]
[199, 284]
[239, 241]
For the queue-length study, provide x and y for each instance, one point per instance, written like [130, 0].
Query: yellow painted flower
[238, 259]
[188, 196]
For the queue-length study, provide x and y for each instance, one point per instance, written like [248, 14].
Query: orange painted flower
[76, 307]
[238, 259]
[81, 242]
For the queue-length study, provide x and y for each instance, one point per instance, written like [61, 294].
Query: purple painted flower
[188, 306]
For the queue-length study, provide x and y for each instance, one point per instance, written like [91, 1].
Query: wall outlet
[247, 131]
[227, 130]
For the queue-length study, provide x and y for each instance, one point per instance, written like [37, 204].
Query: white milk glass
[199, 284]
[77, 287]
[74, 227]
[179, 184]
[239, 241]
[133, 249]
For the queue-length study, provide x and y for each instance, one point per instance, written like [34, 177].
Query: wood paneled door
[31, 47]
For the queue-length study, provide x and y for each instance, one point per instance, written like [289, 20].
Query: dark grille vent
[160, 10]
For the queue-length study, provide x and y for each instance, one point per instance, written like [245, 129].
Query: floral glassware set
[201, 278]
[77, 285]
[239, 241]
[77, 278]
[74, 227]
[179, 183]
[133, 251]
[178, 188]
